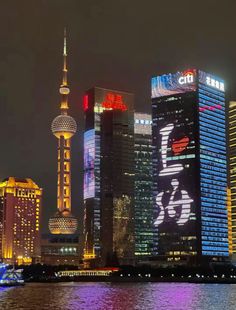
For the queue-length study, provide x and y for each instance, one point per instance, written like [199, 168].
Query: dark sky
[113, 44]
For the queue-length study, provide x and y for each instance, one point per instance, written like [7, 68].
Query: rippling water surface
[119, 296]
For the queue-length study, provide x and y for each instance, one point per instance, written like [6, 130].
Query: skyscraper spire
[64, 89]
[64, 80]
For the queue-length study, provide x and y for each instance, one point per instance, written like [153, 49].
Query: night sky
[113, 44]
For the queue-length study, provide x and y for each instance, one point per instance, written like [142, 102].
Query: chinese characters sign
[114, 102]
[179, 208]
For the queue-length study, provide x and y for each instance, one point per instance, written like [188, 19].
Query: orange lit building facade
[20, 212]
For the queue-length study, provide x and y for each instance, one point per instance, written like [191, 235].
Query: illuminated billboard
[170, 84]
[176, 164]
[114, 101]
[175, 182]
[190, 166]
[89, 156]
[211, 80]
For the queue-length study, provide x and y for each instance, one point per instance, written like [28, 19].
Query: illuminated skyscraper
[232, 175]
[20, 212]
[64, 127]
[190, 166]
[145, 233]
[108, 176]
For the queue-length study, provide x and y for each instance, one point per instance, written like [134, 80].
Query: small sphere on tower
[64, 90]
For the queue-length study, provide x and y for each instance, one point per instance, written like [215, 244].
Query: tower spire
[64, 89]
[64, 80]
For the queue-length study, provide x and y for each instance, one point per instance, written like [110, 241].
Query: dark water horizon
[119, 296]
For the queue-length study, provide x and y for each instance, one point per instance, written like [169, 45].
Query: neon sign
[186, 78]
[215, 83]
[176, 209]
[114, 102]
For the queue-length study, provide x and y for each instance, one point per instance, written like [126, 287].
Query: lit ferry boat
[10, 277]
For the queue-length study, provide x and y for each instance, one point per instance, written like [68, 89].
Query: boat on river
[10, 277]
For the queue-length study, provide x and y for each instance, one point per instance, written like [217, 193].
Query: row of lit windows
[212, 169]
[210, 136]
[211, 214]
[211, 253]
[204, 237]
[210, 118]
[219, 139]
[213, 122]
[211, 155]
[217, 146]
[211, 130]
[211, 185]
[211, 177]
[219, 245]
[211, 92]
[215, 248]
[211, 146]
[209, 95]
[212, 126]
[213, 203]
[214, 210]
[214, 183]
[214, 199]
[212, 162]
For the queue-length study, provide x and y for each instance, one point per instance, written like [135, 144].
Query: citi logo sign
[187, 78]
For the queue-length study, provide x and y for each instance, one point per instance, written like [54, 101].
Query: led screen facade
[190, 169]
[89, 157]
[170, 84]
[174, 140]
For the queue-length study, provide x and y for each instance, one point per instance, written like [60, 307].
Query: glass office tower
[232, 177]
[190, 167]
[145, 233]
[108, 177]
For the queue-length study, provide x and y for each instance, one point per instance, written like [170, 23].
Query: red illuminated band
[212, 108]
[85, 103]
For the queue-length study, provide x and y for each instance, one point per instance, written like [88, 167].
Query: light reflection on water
[119, 296]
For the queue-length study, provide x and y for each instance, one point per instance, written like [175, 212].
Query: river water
[119, 296]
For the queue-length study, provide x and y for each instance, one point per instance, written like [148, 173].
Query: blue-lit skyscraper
[190, 167]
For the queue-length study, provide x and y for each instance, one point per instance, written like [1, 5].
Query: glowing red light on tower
[85, 102]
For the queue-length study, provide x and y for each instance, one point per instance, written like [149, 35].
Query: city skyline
[118, 157]
[31, 57]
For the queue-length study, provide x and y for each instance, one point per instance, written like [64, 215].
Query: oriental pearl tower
[63, 127]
